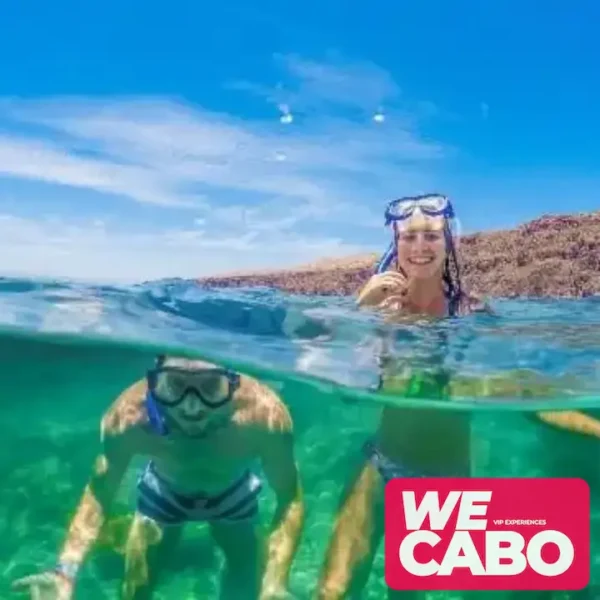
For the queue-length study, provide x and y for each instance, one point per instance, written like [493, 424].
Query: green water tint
[56, 389]
[441, 385]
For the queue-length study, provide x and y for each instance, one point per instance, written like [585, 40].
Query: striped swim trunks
[157, 501]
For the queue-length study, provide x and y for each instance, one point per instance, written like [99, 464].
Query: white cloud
[338, 82]
[92, 251]
[260, 182]
[43, 161]
[310, 85]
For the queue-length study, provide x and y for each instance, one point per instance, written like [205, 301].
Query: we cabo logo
[487, 534]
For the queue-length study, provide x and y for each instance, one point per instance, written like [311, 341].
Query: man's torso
[204, 464]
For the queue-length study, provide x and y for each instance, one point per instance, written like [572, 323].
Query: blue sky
[146, 141]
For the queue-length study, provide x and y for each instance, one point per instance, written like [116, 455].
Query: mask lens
[434, 203]
[170, 386]
[402, 208]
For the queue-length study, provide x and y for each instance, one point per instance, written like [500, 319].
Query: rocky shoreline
[553, 256]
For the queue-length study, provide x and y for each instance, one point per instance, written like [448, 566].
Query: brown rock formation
[550, 256]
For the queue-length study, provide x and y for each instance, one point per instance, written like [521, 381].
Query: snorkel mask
[432, 205]
[184, 382]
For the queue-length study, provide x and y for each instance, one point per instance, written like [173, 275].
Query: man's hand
[45, 586]
[93, 506]
[384, 290]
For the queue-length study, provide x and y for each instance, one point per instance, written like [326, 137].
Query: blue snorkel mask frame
[432, 205]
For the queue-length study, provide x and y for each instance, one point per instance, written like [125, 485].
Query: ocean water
[67, 350]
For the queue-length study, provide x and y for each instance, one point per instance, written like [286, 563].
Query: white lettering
[506, 553]
[406, 553]
[499, 546]
[461, 553]
[468, 509]
[494, 553]
[566, 553]
[414, 516]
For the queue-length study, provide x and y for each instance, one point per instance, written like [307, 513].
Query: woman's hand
[384, 291]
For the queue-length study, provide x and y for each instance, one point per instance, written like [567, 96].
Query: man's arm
[99, 493]
[571, 420]
[281, 471]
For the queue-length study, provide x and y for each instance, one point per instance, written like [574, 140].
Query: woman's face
[421, 246]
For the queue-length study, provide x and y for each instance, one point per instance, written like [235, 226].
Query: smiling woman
[427, 275]
[424, 284]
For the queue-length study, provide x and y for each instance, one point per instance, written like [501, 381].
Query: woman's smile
[421, 260]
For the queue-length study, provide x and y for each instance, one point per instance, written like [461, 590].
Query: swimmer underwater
[424, 280]
[202, 427]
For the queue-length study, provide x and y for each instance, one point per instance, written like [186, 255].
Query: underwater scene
[69, 350]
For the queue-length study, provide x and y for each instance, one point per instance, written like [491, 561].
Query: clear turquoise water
[68, 350]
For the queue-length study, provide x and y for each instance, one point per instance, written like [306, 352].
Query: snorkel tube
[387, 258]
[390, 254]
[156, 419]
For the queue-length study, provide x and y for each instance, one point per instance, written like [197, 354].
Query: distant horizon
[343, 261]
[298, 266]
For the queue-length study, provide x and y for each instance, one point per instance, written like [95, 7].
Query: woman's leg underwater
[357, 533]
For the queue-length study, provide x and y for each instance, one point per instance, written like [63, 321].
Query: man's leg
[148, 547]
[244, 547]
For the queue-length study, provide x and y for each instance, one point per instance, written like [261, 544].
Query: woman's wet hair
[451, 273]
